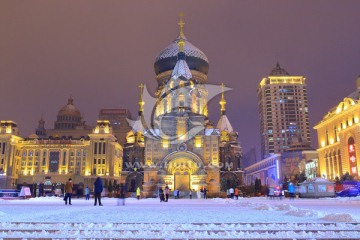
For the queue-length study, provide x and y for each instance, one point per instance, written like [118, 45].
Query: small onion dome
[195, 58]
[278, 71]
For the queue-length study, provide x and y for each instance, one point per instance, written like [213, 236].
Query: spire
[181, 42]
[181, 25]
[141, 101]
[70, 100]
[42, 117]
[222, 102]
[41, 121]
[278, 71]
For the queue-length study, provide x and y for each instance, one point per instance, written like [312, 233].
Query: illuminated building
[339, 138]
[182, 148]
[179, 147]
[283, 110]
[284, 129]
[39, 161]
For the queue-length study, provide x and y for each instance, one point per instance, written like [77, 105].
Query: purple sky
[100, 51]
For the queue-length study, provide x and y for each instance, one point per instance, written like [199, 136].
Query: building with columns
[339, 138]
[34, 160]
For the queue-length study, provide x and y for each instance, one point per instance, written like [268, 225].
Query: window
[95, 148]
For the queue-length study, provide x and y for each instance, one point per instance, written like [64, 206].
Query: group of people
[164, 193]
[98, 188]
[232, 193]
[278, 193]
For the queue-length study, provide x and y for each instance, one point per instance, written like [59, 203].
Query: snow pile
[337, 217]
[264, 207]
[298, 212]
[290, 210]
[2, 213]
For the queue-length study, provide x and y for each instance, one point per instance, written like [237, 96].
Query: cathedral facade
[181, 148]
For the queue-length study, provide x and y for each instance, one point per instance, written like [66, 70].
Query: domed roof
[70, 109]
[278, 71]
[195, 58]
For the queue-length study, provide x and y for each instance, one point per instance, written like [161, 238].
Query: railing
[9, 193]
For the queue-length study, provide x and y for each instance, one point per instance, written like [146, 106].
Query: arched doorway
[183, 168]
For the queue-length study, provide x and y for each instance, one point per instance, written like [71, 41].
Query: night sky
[100, 51]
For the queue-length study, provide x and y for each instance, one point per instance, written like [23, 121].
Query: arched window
[331, 167]
[327, 164]
[327, 137]
[336, 170]
[335, 134]
[340, 163]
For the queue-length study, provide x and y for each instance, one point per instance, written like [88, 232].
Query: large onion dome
[195, 59]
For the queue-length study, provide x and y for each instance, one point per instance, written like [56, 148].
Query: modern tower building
[284, 115]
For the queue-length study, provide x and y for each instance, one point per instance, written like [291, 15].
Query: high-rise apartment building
[284, 115]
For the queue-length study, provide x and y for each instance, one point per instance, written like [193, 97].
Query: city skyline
[99, 54]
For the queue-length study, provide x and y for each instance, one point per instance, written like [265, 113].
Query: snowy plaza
[246, 218]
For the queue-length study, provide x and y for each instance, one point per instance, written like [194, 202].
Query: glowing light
[331, 140]
[8, 129]
[356, 120]
[323, 144]
[198, 143]
[165, 143]
[277, 169]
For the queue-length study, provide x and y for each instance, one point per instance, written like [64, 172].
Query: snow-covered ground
[184, 218]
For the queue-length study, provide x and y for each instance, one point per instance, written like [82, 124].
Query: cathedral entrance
[182, 171]
[182, 181]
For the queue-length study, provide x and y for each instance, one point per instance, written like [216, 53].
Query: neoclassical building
[182, 148]
[51, 156]
[339, 138]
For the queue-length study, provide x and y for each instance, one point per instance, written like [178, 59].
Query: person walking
[205, 192]
[237, 193]
[227, 193]
[122, 193]
[167, 191]
[231, 191]
[161, 194]
[68, 191]
[190, 194]
[98, 188]
[198, 194]
[87, 193]
[138, 193]
[291, 189]
[175, 194]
